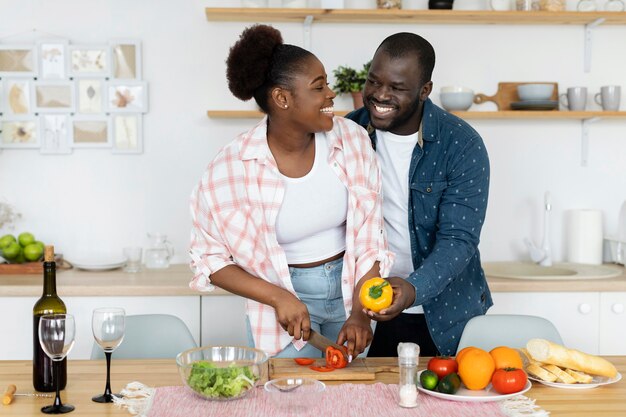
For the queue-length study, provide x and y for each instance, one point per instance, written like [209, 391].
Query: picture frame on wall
[54, 134]
[125, 59]
[19, 132]
[127, 133]
[17, 97]
[54, 97]
[90, 132]
[127, 97]
[53, 58]
[89, 61]
[18, 61]
[89, 96]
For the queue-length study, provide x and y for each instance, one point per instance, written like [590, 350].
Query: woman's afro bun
[250, 59]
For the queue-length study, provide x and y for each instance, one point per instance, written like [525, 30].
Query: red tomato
[442, 365]
[304, 361]
[509, 380]
[335, 358]
[322, 368]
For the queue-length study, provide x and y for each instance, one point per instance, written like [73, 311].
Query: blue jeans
[319, 288]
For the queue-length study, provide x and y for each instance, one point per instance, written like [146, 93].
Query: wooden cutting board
[507, 94]
[359, 370]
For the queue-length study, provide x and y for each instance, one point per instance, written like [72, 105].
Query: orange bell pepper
[376, 294]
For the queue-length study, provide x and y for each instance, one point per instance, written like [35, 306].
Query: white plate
[98, 264]
[595, 382]
[477, 396]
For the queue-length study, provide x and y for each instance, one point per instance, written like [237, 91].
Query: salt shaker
[408, 358]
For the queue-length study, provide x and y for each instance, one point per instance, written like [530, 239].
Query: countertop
[174, 282]
[86, 379]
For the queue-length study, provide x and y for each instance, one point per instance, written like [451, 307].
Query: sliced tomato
[304, 361]
[322, 368]
[335, 358]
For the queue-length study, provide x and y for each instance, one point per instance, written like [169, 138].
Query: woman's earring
[286, 106]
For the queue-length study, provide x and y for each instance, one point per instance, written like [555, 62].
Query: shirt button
[428, 189]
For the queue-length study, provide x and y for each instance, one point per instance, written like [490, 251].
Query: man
[435, 173]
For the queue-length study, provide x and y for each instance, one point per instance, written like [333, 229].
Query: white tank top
[311, 222]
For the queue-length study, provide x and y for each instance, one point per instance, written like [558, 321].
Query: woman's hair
[260, 61]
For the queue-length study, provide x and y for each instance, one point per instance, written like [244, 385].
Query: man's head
[398, 83]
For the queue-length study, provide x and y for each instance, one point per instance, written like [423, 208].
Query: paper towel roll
[584, 242]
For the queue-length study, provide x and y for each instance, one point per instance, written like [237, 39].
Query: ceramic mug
[609, 97]
[501, 5]
[575, 99]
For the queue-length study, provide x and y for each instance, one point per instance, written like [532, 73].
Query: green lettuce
[211, 381]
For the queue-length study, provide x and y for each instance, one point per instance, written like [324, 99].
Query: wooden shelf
[467, 115]
[474, 17]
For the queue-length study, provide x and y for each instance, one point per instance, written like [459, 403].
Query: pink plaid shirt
[234, 210]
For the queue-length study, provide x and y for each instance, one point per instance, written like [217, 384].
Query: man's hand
[403, 298]
[293, 316]
[357, 332]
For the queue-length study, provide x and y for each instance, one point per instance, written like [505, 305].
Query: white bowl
[456, 100]
[456, 89]
[535, 91]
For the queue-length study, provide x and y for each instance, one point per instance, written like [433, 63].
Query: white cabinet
[612, 323]
[18, 314]
[224, 320]
[575, 314]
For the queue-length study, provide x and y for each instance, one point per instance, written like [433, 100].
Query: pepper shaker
[408, 358]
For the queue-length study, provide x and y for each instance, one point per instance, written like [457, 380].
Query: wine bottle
[49, 303]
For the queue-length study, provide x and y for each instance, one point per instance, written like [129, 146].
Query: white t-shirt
[394, 154]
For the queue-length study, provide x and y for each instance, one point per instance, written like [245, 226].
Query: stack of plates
[535, 105]
[97, 263]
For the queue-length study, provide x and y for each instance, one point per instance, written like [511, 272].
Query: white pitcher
[158, 255]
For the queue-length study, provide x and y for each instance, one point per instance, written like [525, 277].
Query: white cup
[132, 255]
[501, 5]
[575, 99]
[609, 97]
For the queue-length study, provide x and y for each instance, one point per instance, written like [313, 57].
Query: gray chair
[493, 330]
[151, 336]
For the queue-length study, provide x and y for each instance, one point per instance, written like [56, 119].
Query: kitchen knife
[322, 342]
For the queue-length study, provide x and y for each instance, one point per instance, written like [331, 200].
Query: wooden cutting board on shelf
[507, 94]
[359, 370]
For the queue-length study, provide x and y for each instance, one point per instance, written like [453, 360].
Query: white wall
[93, 200]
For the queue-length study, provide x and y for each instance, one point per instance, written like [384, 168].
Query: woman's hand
[403, 298]
[293, 316]
[357, 332]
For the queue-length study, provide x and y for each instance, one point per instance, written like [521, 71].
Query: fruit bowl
[221, 373]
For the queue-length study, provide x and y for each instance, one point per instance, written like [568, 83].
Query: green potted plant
[349, 80]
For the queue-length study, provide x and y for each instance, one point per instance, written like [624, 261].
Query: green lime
[6, 240]
[449, 384]
[26, 239]
[19, 259]
[33, 252]
[429, 380]
[11, 251]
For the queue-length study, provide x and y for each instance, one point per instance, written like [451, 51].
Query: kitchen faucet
[542, 255]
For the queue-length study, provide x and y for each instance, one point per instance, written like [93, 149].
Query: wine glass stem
[107, 389]
[57, 378]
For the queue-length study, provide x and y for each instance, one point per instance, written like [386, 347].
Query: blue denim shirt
[449, 186]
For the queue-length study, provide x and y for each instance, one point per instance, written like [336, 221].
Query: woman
[288, 215]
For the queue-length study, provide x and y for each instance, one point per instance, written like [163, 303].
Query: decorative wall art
[58, 96]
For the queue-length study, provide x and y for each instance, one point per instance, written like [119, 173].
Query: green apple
[40, 243]
[19, 259]
[26, 239]
[6, 240]
[33, 252]
[12, 251]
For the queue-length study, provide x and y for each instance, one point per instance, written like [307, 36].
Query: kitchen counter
[174, 282]
[87, 378]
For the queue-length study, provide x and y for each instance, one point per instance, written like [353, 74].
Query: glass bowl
[295, 393]
[221, 373]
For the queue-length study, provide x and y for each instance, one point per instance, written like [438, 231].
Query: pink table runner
[338, 401]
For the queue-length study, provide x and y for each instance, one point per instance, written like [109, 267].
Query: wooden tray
[507, 94]
[33, 268]
[358, 370]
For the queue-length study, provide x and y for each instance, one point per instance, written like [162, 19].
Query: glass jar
[527, 5]
[408, 358]
[587, 6]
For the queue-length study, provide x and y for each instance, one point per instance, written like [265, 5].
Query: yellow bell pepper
[376, 294]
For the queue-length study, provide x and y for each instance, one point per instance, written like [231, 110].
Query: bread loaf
[538, 372]
[561, 375]
[547, 352]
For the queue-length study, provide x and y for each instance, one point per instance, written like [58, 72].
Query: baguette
[561, 375]
[581, 377]
[539, 372]
[547, 352]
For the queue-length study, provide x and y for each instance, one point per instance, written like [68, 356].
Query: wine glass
[108, 329]
[56, 336]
